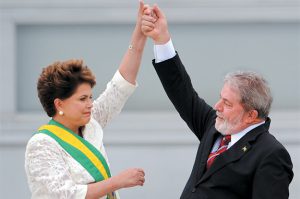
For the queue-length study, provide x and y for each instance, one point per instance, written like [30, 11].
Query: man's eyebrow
[225, 99]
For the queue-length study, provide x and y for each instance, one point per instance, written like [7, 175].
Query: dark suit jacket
[256, 167]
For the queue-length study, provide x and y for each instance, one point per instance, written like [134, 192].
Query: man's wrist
[163, 39]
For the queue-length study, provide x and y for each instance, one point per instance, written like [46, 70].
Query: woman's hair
[60, 80]
[253, 90]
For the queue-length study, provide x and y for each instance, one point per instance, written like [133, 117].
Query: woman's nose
[90, 103]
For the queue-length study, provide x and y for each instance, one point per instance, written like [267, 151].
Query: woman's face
[77, 108]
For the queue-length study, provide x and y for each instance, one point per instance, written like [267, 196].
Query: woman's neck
[67, 124]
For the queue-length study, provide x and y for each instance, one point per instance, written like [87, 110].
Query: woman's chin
[85, 120]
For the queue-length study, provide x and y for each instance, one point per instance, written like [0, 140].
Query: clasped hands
[154, 23]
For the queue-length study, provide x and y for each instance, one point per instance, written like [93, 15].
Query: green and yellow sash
[81, 150]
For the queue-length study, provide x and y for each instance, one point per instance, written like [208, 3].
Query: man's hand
[154, 25]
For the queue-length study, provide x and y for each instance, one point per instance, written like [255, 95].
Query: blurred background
[213, 37]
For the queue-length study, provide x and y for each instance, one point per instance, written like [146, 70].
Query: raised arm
[131, 61]
[174, 78]
[111, 101]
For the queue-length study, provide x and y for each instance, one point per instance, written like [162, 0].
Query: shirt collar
[237, 136]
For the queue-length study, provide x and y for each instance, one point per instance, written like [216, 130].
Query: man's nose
[217, 106]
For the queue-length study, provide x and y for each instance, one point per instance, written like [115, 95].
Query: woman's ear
[58, 104]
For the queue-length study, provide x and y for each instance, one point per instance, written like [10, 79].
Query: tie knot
[225, 140]
[222, 148]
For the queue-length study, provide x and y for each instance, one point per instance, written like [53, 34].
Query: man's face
[230, 112]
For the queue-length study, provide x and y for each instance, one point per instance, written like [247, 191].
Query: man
[237, 158]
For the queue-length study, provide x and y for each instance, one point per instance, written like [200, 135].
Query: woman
[66, 158]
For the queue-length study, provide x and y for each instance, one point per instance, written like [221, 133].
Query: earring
[60, 113]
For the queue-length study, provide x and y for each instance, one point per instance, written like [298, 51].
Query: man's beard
[225, 127]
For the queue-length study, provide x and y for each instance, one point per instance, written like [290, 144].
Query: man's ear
[252, 116]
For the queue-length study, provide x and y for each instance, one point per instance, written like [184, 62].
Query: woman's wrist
[138, 30]
[115, 183]
[138, 41]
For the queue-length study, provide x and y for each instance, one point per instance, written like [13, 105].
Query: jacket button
[194, 190]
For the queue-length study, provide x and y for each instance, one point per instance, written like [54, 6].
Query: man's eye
[227, 103]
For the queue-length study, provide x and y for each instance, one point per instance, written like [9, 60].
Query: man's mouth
[219, 116]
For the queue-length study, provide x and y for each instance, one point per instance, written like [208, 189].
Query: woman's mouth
[87, 114]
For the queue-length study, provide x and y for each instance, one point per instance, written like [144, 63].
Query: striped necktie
[222, 148]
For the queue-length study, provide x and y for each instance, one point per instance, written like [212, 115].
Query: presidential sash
[81, 150]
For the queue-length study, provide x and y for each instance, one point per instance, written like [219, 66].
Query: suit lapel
[236, 152]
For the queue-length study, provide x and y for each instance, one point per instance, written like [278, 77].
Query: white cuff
[164, 52]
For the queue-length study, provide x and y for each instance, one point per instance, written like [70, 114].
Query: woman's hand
[130, 178]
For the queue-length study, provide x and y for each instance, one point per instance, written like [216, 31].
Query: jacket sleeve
[177, 84]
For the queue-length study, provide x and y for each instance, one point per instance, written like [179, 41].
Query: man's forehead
[229, 93]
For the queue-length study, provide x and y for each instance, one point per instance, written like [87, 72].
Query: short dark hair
[60, 80]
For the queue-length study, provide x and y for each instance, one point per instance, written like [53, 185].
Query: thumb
[158, 11]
